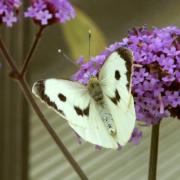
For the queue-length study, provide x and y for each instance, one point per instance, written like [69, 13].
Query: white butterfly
[103, 111]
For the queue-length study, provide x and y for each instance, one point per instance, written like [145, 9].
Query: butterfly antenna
[60, 51]
[89, 38]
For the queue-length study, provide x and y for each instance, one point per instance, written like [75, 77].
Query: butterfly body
[107, 119]
[95, 91]
[102, 112]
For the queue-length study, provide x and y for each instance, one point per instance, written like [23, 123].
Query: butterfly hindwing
[96, 132]
[115, 79]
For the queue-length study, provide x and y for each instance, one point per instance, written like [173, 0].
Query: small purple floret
[136, 136]
[46, 12]
[9, 11]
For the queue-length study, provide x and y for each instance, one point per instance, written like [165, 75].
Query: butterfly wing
[72, 101]
[115, 78]
[96, 132]
[69, 99]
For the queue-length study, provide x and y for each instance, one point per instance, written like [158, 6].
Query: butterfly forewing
[67, 98]
[115, 77]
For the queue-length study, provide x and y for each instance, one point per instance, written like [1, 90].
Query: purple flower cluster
[46, 12]
[156, 77]
[8, 11]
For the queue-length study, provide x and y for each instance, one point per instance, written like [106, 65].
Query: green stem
[154, 152]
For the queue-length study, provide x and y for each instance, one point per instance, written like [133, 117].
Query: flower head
[45, 12]
[156, 81]
[8, 11]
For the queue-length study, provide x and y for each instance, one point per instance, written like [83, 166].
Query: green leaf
[77, 36]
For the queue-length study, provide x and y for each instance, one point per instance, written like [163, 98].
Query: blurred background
[26, 149]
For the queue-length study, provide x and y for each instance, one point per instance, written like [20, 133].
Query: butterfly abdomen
[107, 120]
[96, 93]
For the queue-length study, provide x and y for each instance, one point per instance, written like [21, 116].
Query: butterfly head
[92, 80]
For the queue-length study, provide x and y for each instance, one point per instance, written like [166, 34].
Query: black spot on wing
[117, 95]
[61, 112]
[117, 75]
[78, 111]
[86, 111]
[40, 88]
[114, 101]
[116, 98]
[62, 97]
[127, 55]
[82, 112]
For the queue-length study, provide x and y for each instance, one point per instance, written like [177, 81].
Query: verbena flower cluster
[8, 11]
[156, 77]
[46, 12]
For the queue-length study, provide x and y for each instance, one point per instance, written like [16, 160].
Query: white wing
[69, 99]
[115, 79]
[72, 101]
[96, 132]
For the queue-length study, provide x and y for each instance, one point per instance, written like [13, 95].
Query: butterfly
[101, 112]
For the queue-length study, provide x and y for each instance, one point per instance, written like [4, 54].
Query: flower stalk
[153, 158]
[32, 50]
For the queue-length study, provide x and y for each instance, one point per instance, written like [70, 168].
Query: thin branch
[7, 56]
[29, 97]
[154, 152]
[31, 51]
